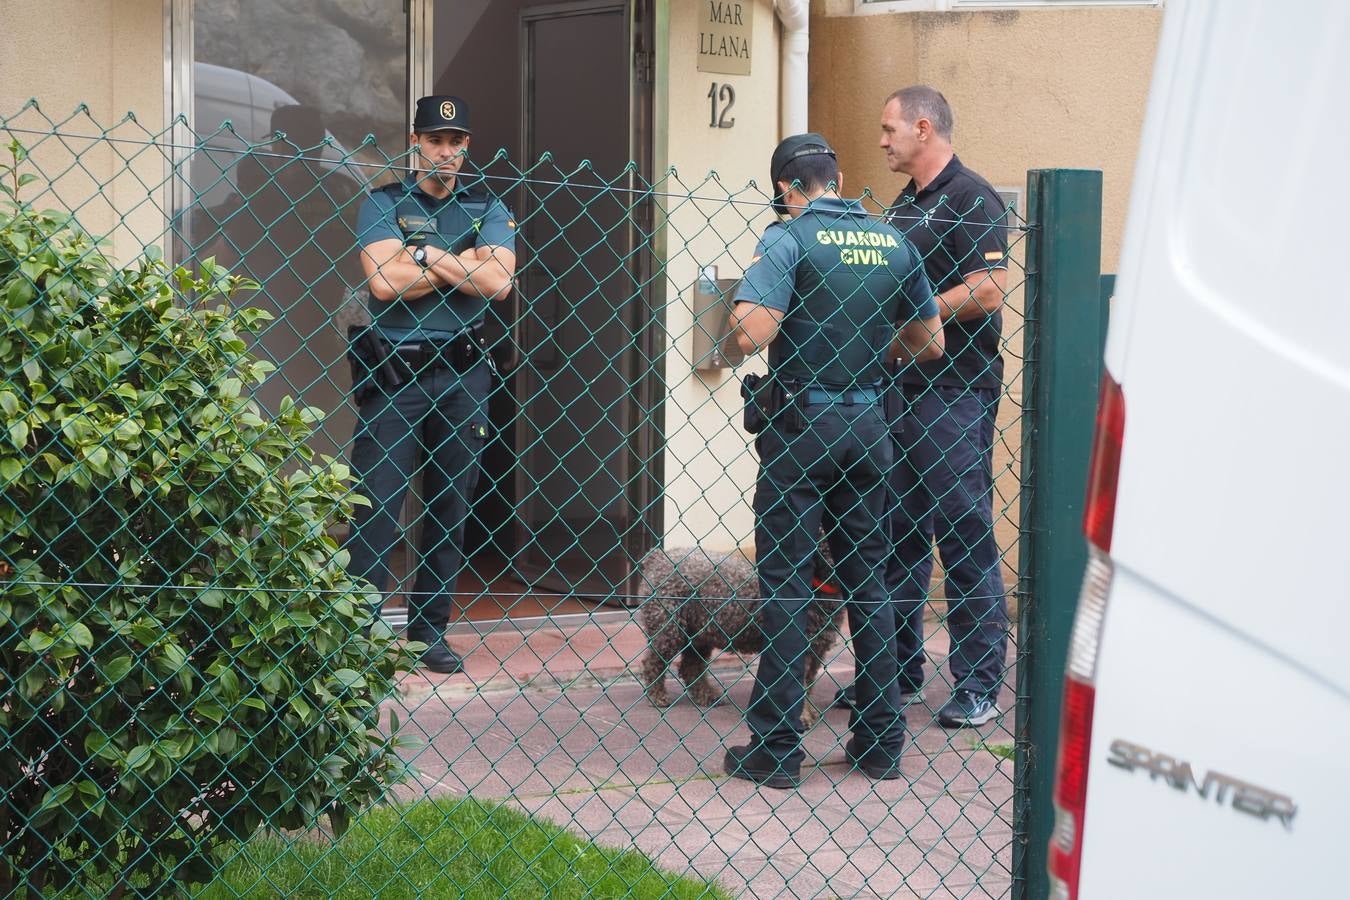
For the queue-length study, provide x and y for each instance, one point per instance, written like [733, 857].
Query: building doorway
[567, 498]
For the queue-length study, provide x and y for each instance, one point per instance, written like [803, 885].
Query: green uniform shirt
[469, 217]
[845, 280]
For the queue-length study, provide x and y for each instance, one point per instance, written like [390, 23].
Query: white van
[1205, 741]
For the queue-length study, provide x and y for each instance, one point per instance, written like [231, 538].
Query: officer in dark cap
[435, 250]
[835, 294]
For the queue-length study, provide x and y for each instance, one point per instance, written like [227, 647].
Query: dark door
[583, 489]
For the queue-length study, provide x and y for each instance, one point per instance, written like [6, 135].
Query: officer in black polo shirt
[435, 249]
[834, 294]
[946, 410]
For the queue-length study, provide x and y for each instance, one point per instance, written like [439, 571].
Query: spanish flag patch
[993, 256]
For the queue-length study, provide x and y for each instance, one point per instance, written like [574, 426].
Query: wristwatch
[419, 256]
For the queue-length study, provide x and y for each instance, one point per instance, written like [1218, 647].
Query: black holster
[754, 391]
[769, 400]
[373, 363]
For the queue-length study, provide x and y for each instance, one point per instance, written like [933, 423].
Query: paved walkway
[552, 722]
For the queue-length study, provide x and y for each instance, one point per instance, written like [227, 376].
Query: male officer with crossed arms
[435, 249]
[834, 293]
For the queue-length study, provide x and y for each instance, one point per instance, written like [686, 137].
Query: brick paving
[551, 721]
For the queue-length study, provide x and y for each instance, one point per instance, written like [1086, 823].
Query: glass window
[280, 211]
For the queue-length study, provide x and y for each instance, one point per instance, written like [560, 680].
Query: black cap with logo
[441, 112]
[791, 148]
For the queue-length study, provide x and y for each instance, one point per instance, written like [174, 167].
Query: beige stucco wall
[1032, 88]
[710, 469]
[108, 55]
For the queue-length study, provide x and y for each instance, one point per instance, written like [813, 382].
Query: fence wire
[194, 697]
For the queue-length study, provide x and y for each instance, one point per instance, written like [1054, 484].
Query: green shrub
[182, 651]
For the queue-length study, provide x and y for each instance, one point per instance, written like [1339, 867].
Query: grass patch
[1002, 751]
[445, 847]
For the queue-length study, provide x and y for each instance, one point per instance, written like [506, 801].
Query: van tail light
[1099, 516]
[1075, 728]
[1080, 671]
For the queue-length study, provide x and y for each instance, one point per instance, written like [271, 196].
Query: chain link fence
[192, 692]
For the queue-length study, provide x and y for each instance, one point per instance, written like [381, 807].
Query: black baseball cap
[441, 112]
[794, 147]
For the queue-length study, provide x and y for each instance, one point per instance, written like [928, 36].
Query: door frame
[646, 446]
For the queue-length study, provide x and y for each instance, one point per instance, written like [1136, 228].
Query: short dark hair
[814, 172]
[920, 101]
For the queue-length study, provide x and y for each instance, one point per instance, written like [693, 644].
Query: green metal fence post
[1063, 362]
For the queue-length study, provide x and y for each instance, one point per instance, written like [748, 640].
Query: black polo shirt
[957, 223]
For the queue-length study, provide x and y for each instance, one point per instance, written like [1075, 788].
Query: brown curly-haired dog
[698, 602]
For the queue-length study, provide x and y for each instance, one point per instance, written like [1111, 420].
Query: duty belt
[460, 353]
[854, 396]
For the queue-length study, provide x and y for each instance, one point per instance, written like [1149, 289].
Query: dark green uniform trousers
[837, 465]
[436, 422]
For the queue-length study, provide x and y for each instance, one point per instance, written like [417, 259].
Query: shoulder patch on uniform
[993, 256]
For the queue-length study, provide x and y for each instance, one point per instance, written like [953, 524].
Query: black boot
[761, 768]
[437, 657]
[874, 762]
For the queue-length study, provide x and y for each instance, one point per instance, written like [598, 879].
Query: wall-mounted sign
[724, 36]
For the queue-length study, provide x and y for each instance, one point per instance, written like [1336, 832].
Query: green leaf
[349, 678]
[229, 388]
[57, 797]
[117, 669]
[21, 293]
[139, 757]
[98, 744]
[37, 642]
[98, 460]
[208, 710]
[9, 403]
[303, 710]
[81, 635]
[227, 740]
[229, 684]
[273, 680]
[89, 789]
[18, 434]
[174, 655]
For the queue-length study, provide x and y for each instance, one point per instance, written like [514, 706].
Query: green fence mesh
[192, 693]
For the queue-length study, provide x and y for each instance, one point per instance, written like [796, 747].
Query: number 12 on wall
[726, 95]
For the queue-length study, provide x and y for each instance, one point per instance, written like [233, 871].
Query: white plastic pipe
[795, 16]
